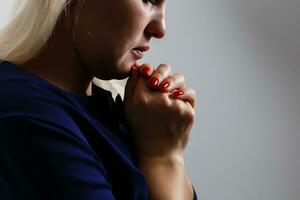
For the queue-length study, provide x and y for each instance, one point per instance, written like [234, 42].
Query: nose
[157, 26]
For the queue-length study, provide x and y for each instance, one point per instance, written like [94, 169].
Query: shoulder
[32, 101]
[23, 94]
[43, 158]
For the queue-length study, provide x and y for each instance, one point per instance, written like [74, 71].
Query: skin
[97, 39]
[160, 127]
[131, 24]
[101, 48]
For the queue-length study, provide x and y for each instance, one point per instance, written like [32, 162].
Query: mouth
[138, 52]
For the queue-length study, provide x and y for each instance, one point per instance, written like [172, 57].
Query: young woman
[62, 136]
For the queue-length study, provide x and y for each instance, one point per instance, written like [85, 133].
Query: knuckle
[194, 103]
[193, 92]
[179, 108]
[165, 66]
[162, 68]
[166, 100]
[187, 112]
[190, 115]
[139, 102]
[194, 98]
[176, 79]
[181, 77]
[171, 80]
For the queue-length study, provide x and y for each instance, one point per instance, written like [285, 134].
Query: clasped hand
[159, 110]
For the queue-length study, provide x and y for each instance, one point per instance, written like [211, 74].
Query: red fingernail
[154, 82]
[178, 93]
[146, 71]
[164, 85]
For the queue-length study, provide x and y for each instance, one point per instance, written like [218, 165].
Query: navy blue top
[58, 145]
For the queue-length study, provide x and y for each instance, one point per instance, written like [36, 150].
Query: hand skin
[167, 82]
[160, 148]
[166, 178]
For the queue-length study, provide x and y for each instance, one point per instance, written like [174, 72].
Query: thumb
[131, 83]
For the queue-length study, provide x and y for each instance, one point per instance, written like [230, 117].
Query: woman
[63, 137]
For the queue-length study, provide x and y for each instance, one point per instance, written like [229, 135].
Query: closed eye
[154, 2]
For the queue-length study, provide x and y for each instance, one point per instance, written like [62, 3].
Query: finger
[162, 72]
[142, 87]
[184, 108]
[131, 83]
[146, 70]
[186, 94]
[142, 94]
[176, 81]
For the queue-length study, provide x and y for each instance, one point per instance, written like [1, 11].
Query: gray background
[243, 59]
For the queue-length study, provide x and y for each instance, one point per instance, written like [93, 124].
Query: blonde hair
[30, 25]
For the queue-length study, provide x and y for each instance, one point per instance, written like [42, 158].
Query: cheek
[108, 31]
[125, 19]
[92, 33]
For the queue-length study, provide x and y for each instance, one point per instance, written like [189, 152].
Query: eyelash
[151, 1]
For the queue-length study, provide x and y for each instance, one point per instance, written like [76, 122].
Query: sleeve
[42, 161]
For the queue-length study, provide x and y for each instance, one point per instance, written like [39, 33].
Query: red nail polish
[165, 85]
[146, 71]
[178, 93]
[154, 82]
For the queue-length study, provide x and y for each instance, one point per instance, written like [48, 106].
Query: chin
[118, 74]
[121, 76]
[122, 71]
[115, 70]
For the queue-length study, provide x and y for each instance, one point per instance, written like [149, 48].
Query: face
[111, 35]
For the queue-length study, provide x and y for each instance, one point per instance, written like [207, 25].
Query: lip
[142, 48]
[137, 54]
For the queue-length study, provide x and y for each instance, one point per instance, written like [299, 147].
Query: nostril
[155, 34]
[160, 35]
[155, 29]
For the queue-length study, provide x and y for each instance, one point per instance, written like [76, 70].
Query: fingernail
[178, 93]
[164, 85]
[154, 82]
[146, 71]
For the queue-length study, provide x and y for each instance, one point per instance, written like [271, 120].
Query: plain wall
[243, 59]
